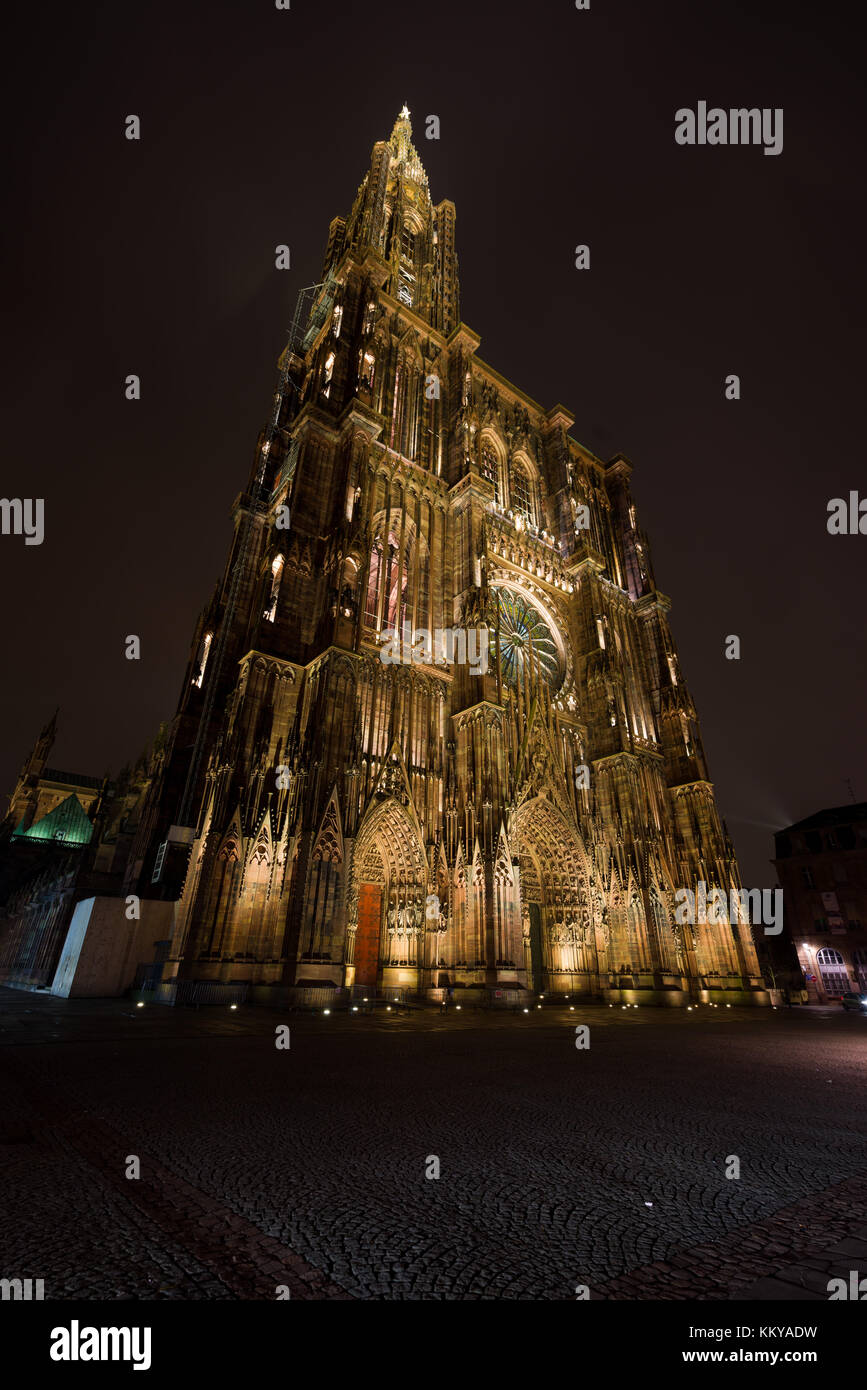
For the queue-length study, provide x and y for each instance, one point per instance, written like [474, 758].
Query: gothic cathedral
[324, 816]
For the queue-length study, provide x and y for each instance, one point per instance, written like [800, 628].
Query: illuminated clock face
[523, 631]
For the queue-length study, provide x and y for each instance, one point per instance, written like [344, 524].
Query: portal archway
[559, 936]
[386, 926]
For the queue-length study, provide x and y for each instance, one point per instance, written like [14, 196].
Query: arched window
[270, 612]
[491, 467]
[389, 570]
[835, 978]
[406, 277]
[522, 499]
[327, 374]
[366, 369]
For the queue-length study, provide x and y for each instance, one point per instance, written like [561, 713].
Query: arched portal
[559, 939]
[386, 926]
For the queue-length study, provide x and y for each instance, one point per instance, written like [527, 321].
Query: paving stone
[307, 1168]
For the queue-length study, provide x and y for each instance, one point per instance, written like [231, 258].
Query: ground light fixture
[140, 1004]
[326, 1011]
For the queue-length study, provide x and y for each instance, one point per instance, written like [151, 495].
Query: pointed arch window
[276, 576]
[388, 570]
[373, 579]
[366, 370]
[522, 498]
[491, 468]
[406, 277]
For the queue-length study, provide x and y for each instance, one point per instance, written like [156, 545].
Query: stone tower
[523, 821]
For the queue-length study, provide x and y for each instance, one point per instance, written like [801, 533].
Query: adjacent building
[64, 841]
[821, 863]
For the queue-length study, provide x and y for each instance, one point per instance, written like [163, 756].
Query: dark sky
[557, 127]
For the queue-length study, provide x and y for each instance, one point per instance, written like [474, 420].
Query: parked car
[856, 1002]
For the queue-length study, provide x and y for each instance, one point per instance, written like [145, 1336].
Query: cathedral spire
[406, 156]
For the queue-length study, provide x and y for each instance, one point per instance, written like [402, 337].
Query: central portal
[391, 869]
[367, 937]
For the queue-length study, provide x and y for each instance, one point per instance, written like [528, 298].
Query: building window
[368, 318]
[276, 575]
[406, 276]
[491, 467]
[366, 370]
[835, 979]
[387, 570]
[522, 494]
[203, 658]
[860, 956]
[327, 374]
[337, 320]
[373, 582]
[807, 876]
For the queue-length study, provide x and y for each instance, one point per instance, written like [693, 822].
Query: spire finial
[404, 113]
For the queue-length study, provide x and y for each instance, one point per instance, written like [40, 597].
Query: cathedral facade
[329, 813]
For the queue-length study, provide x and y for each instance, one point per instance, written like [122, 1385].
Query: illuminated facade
[325, 818]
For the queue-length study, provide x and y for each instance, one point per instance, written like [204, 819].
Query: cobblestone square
[305, 1168]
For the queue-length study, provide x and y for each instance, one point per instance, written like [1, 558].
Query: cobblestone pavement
[305, 1167]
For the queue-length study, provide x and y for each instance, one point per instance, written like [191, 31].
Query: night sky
[557, 128]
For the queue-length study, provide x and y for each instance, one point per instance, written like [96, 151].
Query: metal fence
[205, 992]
